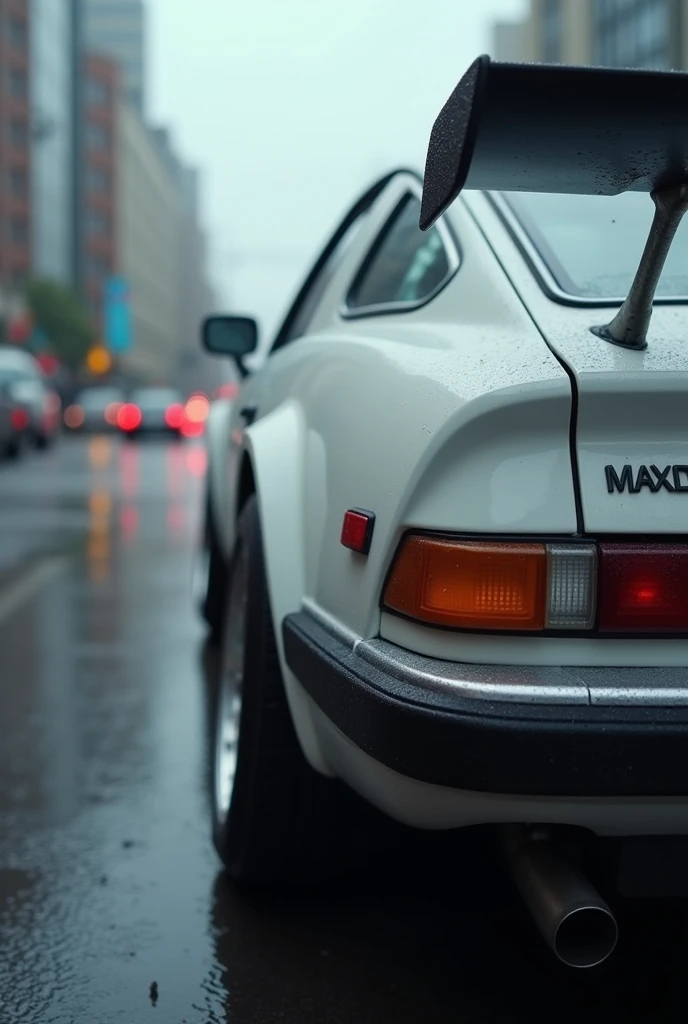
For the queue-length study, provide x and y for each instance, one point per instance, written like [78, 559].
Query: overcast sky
[291, 107]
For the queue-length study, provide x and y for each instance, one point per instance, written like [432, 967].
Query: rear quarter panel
[455, 416]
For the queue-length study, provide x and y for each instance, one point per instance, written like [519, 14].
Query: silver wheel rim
[231, 688]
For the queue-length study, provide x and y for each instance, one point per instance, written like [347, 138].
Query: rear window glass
[592, 244]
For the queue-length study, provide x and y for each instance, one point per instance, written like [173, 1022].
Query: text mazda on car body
[447, 539]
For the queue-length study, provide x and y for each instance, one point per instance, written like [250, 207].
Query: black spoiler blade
[547, 128]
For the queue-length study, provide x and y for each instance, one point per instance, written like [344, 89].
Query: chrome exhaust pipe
[572, 917]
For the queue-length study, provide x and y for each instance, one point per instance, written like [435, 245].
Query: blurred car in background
[14, 421]
[22, 375]
[154, 410]
[95, 409]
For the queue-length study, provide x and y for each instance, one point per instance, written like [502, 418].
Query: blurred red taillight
[19, 419]
[174, 414]
[129, 417]
[111, 413]
[643, 587]
[74, 417]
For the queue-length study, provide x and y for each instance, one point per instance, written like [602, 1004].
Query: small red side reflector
[357, 530]
[643, 587]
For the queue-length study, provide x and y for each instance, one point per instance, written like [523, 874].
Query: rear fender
[276, 447]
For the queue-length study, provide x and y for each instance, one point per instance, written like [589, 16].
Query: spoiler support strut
[630, 325]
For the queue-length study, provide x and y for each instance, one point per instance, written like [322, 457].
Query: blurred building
[100, 259]
[196, 369]
[117, 29]
[15, 152]
[150, 242]
[509, 40]
[614, 33]
[54, 74]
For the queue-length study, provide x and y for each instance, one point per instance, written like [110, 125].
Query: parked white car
[448, 558]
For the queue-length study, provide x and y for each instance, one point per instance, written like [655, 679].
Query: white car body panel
[524, 650]
[502, 374]
[477, 439]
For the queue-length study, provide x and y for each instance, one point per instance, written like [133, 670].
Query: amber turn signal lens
[470, 585]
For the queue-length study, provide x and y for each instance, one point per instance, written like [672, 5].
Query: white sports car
[448, 562]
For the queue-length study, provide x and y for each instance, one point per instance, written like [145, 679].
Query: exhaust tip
[586, 937]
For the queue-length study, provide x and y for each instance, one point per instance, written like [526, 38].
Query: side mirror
[235, 336]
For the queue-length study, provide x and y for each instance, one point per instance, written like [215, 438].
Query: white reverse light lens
[572, 586]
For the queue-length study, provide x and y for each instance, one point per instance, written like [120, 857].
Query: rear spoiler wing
[585, 131]
[553, 128]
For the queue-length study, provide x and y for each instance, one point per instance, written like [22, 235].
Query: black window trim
[452, 252]
[542, 272]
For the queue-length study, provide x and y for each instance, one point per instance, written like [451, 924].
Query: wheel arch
[273, 469]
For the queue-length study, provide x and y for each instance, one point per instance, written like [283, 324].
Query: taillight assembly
[507, 586]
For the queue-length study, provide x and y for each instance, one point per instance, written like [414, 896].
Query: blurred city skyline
[103, 249]
[215, 153]
[290, 109]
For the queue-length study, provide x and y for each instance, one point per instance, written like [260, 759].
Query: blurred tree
[60, 315]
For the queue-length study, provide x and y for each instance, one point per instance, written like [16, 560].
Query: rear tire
[274, 818]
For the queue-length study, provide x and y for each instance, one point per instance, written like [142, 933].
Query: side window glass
[405, 267]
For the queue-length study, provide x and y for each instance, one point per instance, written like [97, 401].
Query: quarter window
[405, 267]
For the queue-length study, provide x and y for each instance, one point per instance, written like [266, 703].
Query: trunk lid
[631, 420]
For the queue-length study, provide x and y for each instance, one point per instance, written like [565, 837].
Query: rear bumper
[411, 714]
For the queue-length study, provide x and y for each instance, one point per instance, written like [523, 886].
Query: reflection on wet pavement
[112, 907]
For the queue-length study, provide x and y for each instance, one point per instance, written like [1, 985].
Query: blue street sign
[117, 326]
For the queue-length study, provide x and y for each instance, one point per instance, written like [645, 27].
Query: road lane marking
[28, 585]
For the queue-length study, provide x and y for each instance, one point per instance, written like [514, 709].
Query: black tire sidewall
[231, 838]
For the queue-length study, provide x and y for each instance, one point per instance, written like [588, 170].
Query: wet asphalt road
[112, 907]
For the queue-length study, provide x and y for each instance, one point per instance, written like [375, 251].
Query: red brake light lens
[129, 417]
[643, 587]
